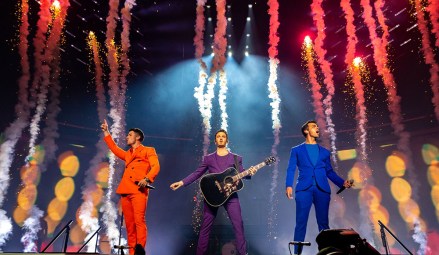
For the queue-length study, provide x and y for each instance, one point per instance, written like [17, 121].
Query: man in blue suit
[312, 186]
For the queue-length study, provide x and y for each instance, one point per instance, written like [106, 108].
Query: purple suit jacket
[210, 163]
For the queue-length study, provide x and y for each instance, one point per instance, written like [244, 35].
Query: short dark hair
[138, 132]
[305, 126]
[224, 131]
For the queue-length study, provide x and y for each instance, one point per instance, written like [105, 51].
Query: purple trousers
[233, 209]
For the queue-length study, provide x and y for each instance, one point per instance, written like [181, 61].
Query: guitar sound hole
[228, 181]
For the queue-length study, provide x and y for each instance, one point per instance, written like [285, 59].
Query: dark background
[160, 101]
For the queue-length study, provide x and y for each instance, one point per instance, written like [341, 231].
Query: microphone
[148, 186]
[351, 181]
[300, 243]
[121, 247]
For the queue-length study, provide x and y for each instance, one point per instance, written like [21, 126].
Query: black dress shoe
[138, 250]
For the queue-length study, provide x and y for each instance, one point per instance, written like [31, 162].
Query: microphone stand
[96, 245]
[120, 236]
[383, 237]
[299, 246]
[66, 228]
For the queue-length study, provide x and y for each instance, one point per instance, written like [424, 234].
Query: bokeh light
[430, 153]
[102, 174]
[400, 189]
[433, 173]
[435, 195]
[380, 214]
[68, 164]
[395, 165]
[20, 215]
[77, 236]
[64, 189]
[57, 209]
[346, 154]
[409, 210]
[51, 224]
[30, 174]
[359, 173]
[370, 195]
[27, 196]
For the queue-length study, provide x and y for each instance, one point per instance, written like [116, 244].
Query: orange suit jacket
[140, 163]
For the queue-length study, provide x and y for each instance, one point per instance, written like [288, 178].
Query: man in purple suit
[217, 162]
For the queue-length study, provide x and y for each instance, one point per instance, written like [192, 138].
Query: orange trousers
[134, 208]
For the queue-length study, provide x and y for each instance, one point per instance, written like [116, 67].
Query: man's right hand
[104, 127]
[289, 192]
[176, 185]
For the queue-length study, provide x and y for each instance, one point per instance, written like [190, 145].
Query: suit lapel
[134, 154]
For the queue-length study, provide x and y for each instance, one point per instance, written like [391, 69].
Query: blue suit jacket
[322, 170]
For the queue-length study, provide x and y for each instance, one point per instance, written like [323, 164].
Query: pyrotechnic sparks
[49, 64]
[429, 54]
[222, 98]
[53, 56]
[273, 11]
[219, 59]
[308, 57]
[433, 10]
[14, 131]
[361, 117]
[89, 223]
[318, 17]
[199, 95]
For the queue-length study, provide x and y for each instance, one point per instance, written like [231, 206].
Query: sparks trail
[380, 59]
[199, 95]
[124, 59]
[53, 56]
[273, 11]
[50, 59]
[318, 17]
[433, 10]
[361, 117]
[381, 63]
[89, 222]
[15, 129]
[219, 59]
[202, 75]
[109, 216]
[308, 57]
[429, 54]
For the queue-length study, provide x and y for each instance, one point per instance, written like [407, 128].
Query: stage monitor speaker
[343, 241]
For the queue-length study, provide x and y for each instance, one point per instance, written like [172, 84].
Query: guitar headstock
[270, 160]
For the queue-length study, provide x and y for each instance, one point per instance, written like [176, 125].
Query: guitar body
[217, 188]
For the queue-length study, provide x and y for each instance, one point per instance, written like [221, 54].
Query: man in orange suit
[141, 169]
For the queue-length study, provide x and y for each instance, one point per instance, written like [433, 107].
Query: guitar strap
[236, 162]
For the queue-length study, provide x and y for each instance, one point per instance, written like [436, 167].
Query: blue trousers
[304, 200]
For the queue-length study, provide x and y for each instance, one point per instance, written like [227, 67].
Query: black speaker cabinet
[343, 241]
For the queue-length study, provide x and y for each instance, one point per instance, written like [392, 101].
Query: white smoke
[5, 228]
[420, 237]
[32, 226]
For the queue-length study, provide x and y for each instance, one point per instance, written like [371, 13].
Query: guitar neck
[247, 172]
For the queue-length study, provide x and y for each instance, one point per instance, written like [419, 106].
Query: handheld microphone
[351, 181]
[148, 186]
